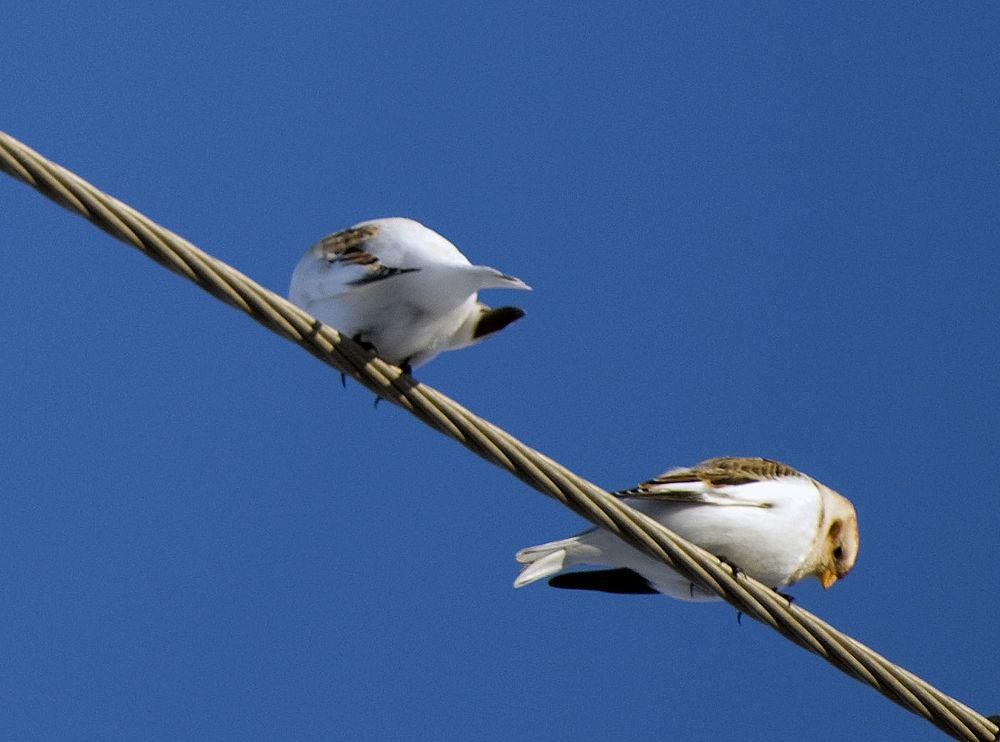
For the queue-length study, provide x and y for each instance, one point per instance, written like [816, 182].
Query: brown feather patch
[728, 470]
[717, 472]
[345, 245]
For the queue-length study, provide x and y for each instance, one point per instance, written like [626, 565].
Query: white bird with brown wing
[763, 517]
[401, 289]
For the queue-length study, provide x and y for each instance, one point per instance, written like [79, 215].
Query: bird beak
[827, 577]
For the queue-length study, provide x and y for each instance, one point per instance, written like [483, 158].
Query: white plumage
[763, 517]
[401, 288]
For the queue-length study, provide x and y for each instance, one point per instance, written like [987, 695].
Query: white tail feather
[490, 278]
[543, 567]
[544, 560]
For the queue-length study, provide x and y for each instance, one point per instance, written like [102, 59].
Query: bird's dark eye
[838, 553]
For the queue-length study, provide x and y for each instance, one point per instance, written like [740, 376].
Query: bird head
[839, 533]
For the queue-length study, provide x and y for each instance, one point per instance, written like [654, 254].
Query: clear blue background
[752, 229]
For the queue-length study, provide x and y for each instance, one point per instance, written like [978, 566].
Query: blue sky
[764, 229]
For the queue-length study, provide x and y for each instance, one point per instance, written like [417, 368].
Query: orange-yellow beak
[827, 577]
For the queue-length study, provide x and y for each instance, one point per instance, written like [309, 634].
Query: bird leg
[735, 569]
[370, 347]
[736, 573]
[786, 596]
[364, 344]
[405, 368]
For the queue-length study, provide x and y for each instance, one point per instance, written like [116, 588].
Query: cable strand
[492, 443]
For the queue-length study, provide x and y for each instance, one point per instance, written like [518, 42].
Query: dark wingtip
[494, 320]
[619, 581]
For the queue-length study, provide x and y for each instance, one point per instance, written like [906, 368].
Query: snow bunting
[401, 289]
[764, 518]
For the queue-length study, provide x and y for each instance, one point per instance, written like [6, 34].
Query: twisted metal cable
[493, 444]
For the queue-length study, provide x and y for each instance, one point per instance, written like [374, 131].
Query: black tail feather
[619, 581]
[494, 320]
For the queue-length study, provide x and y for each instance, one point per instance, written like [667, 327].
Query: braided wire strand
[492, 443]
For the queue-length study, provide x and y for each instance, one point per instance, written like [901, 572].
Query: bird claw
[736, 573]
[786, 596]
[370, 347]
[735, 569]
[739, 614]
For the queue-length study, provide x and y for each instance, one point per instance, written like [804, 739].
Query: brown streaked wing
[347, 245]
[717, 472]
[742, 470]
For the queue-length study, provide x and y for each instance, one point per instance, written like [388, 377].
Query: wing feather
[349, 247]
[708, 482]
